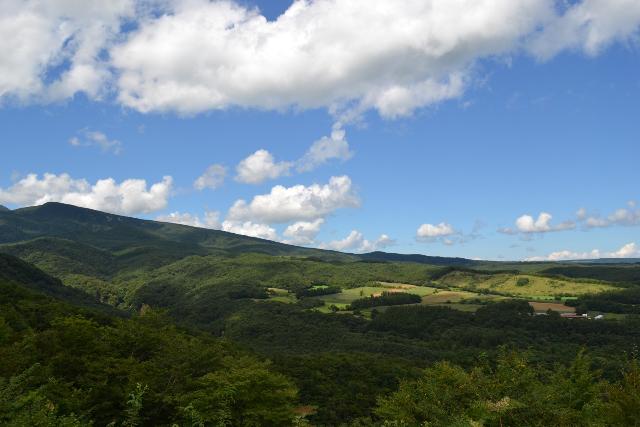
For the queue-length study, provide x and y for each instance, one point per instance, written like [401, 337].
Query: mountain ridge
[107, 231]
[117, 232]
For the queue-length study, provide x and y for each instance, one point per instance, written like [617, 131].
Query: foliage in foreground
[515, 393]
[63, 369]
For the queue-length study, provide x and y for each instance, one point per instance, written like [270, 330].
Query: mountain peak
[4, 208]
[57, 209]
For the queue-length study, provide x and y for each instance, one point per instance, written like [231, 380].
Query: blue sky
[530, 131]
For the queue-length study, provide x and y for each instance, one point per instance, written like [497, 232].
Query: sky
[488, 129]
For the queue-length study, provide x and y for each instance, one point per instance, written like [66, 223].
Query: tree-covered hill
[199, 324]
[119, 259]
[15, 272]
[140, 239]
[117, 233]
[67, 363]
[416, 258]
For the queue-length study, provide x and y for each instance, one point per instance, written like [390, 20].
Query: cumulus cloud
[527, 224]
[210, 55]
[325, 149]
[589, 26]
[297, 203]
[566, 255]
[630, 250]
[252, 229]
[128, 197]
[212, 178]
[191, 56]
[355, 242]
[446, 234]
[55, 46]
[91, 138]
[302, 232]
[259, 167]
[430, 231]
[211, 219]
[629, 217]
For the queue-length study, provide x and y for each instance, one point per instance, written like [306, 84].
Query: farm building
[573, 316]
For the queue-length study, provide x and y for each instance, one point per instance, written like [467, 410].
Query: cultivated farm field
[522, 285]
[347, 296]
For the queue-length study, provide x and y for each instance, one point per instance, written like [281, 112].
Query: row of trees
[315, 291]
[385, 299]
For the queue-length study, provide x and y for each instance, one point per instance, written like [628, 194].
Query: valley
[332, 337]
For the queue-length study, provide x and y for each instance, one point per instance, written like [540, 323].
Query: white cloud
[129, 197]
[297, 203]
[590, 26]
[630, 250]
[628, 217]
[325, 149]
[42, 35]
[259, 167]
[248, 228]
[211, 219]
[191, 56]
[303, 232]
[567, 255]
[430, 231]
[90, 138]
[355, 242]
[212, 178]
[527, 224]
[211, 55]
[581, 214]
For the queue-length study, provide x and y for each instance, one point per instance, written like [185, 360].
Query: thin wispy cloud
[93, 138]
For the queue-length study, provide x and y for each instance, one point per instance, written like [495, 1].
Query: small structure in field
[574, 316]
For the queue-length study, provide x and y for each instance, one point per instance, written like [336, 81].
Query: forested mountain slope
[68, 364]
[70, 361]
[117, 233]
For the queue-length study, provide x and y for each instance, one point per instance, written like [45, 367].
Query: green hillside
[15, 272]
[68, 364]
[119, 259]
[134, 237]
[200, 311]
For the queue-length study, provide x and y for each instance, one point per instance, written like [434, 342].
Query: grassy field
[446, 297]
[542, 307]
[347, 296]
[281, 295]
[464, 291]
[522, 285]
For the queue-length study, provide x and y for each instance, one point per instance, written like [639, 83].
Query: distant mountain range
[61, 223]
[606, 261]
